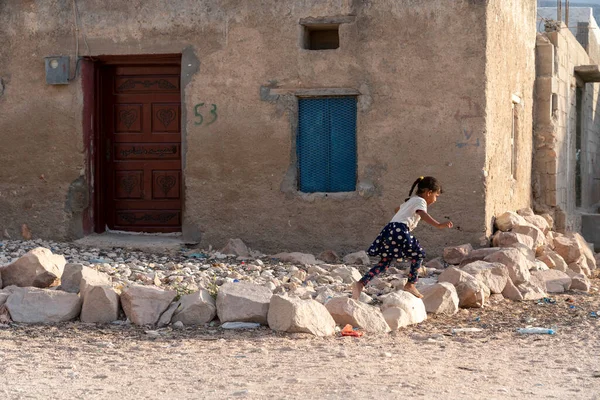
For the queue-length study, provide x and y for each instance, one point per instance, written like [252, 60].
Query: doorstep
[149, 243]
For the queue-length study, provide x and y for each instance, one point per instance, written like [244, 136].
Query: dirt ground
[82, 361]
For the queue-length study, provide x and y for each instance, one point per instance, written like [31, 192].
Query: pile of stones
[47, 282]
[527, 262]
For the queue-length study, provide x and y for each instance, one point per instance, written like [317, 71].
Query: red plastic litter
[349, 331]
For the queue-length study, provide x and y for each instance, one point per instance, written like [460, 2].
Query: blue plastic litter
[197, 255]
[546, 300]
[536, 330]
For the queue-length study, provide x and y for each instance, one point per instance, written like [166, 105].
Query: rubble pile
[47, 282]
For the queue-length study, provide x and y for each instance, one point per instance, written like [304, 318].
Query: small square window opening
[321, 37]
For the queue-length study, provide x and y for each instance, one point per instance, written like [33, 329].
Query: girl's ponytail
[419, 179]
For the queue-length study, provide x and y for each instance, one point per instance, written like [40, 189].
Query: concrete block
[590, 229]
[545, 59]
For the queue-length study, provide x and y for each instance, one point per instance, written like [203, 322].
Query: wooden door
[141, 129]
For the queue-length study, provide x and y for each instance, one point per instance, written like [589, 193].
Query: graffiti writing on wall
[199, 109]
[468, 140]
[470, 117]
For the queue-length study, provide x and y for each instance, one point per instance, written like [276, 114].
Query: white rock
[236, 247]
[289, 314]
[506, 221]
[539, 238]
[455, 276]
[3, 297]
[100, 305]
[325, 294]
[165, 317]
[555, 281]
[478, 255]
[315, 269]
[358, 258]
[586, 251]
[296, 258]
[526, 251]
[303, 292]
[243, 302]
[33, 305]
[515, 261]
[530, 291]
[580, 266]
[436, 263]
[538, 265]
[549, 220]
[195, 309]
[567, 248]
[347, 311]
[413, 307]
[455, 255]
[38, 268]
[300, 275]
[89, 277]
[422, 282]
[71, 277]
[143, 305]
[492, 275]
[525, 212]
[329, 256]
[400, 282]
[511, 292]
[579, 281]
[553, 260]
[178, 325]
[396, 317]
[348, 274]
[440, 298]
[472, 294]
[510, 239]
[365, 298]
[539, 222]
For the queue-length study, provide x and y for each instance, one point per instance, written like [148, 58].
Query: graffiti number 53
[200, 117]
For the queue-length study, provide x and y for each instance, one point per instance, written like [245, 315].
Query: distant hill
[595, 6]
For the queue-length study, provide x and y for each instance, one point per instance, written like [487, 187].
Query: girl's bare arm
[429, 219]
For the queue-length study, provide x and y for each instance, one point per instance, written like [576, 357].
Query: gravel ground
[428, 360]
[76, 360]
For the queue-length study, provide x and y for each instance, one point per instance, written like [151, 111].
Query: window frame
[330, 161]
[514, 136]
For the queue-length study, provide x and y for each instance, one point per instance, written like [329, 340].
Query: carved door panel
[141, 126]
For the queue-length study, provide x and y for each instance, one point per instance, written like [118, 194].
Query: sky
[573, 2]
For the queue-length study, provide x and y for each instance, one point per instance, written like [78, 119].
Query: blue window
[326, 144]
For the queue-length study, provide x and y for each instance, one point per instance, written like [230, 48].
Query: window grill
[326, 144]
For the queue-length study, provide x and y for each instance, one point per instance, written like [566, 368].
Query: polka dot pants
[395, 242]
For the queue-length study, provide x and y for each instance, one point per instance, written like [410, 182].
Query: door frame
[94, 216]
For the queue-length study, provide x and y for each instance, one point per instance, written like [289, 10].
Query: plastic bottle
[536, 330]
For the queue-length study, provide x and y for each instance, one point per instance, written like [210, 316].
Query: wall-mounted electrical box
[57, 70]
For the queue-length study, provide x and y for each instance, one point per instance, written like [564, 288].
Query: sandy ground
[79, 361]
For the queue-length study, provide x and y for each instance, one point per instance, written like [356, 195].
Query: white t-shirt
[407, 214]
